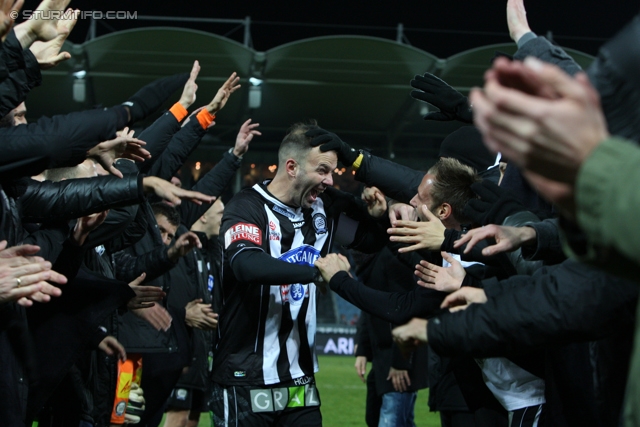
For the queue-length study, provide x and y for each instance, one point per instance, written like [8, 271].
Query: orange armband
[205, 118]
[178, 111]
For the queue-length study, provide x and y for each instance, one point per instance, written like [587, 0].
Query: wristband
[178, 111]
[205, 118]
[356, 164]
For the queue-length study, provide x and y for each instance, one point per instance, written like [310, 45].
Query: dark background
[440, 27]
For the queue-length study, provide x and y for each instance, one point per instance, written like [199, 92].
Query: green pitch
[343, 394]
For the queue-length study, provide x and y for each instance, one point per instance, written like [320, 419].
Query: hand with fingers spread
[463, 298]
[411, 335]
[111, 346]
[146, 296]
[361, 367]
[183, 245]
[452, 104]
[188, 96]
[223, 94]
[402, 212]
[171, 193]
[156, 315]
[329, 141]
[419, 234]
[375, 200]
[444, 279]
[245, 136]
[23, 277]
[201, 316]
[517, 19]
[332, 264]
[8, 14]
[123, 146]
[48, 52]
[399, 379]
[507, 238]
[44, 25]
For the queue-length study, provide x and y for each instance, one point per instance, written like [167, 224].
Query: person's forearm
[75, 198]
[257, 267]
[394, 307]
[394, 180]
[158, 136]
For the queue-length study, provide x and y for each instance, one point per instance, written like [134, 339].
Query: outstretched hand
[171, 193]
[463, 298]
[188, 96]
[444, 279]
[419, 234]
[8, 14]
[507, 238]
[146, 296]
[517, 19]
[223, 94]
[123, 146]
[48, 52]
[245, 136]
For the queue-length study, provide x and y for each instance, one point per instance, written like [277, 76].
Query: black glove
[150, 98]
[494, 205]
[452, 104]
[331, 142]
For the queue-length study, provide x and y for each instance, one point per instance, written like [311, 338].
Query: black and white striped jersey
[267, 333]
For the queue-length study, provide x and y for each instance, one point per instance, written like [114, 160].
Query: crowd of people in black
[503, 279]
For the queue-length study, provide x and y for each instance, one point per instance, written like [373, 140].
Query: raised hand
[8, 14]
[444, 279]
[452, 104]
[223, 94]
[48, 52]
[43, 23]
[517, 19]
[245, 136]
[188, 96]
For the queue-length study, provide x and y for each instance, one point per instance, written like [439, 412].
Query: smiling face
[313, 176]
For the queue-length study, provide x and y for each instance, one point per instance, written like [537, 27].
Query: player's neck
[280, 188]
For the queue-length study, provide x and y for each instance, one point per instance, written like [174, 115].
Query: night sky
[443, 28]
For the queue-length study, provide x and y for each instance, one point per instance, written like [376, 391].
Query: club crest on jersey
[320, 223]
[294, 294]
[243, 231]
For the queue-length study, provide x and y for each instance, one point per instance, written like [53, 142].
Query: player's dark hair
[171, 213]
[296, 145]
